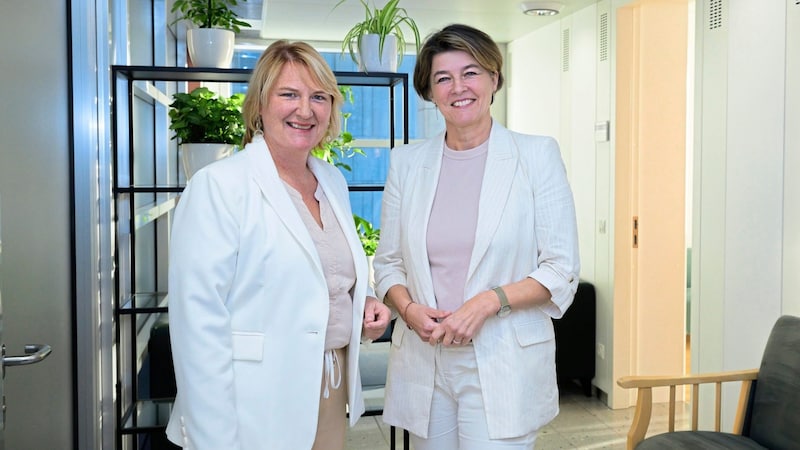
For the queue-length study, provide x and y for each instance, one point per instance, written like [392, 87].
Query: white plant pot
[369, 59]
[210, 47]
[196, 156]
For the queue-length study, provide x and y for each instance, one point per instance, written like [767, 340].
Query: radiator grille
[715, 14]
[604, 36]
[565, 50]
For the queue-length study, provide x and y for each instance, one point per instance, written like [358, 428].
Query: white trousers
[458, 417]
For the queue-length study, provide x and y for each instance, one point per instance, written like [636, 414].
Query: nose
[458, 84]
[304, 108]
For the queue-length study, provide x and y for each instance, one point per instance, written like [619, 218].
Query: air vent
[604, 36]
[715, 14]
[565, 50]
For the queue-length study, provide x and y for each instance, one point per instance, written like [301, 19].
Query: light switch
[602, 131]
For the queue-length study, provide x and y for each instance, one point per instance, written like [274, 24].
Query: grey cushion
[775, 419]
[373, 364]
[697, 440]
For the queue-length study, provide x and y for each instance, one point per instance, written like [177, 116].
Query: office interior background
[680, 113]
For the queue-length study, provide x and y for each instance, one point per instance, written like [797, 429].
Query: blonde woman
[268, 288]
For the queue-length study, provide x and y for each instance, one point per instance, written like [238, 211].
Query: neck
[292, 168]
[467, 137]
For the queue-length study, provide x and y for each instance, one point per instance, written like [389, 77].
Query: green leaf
[201, 116]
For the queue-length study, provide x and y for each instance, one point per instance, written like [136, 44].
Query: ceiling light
[541, 7]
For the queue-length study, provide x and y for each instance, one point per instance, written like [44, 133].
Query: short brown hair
[456, 37]
[266, 72]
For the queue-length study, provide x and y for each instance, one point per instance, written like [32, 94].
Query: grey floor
[583, 423]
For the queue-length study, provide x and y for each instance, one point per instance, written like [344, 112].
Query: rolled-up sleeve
[558, 260]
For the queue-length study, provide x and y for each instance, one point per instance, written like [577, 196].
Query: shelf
[147, 415]
[155, 73]
[150, 213]
[144, 302]
[149, 189]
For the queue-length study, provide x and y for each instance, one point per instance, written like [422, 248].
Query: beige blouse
[337, 264]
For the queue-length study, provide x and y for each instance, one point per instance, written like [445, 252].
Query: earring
[259, 128]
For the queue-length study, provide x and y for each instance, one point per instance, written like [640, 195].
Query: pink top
[337, 264]
[453, 220]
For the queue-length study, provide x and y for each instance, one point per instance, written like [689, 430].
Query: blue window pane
[368, 206]
[369, 169]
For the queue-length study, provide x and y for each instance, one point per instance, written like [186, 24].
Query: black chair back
[775, 417]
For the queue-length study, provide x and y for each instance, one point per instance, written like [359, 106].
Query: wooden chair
[768, 412]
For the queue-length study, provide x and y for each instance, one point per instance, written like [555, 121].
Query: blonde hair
[266, 72]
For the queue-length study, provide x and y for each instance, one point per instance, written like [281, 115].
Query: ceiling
[317, 20]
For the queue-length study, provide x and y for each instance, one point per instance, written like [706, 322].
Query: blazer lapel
[265, 175]
[421, 192]
[501, 164]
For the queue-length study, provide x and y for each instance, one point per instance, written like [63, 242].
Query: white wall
[564, 92]
[741, 154]
[791, 199]
[547, 97]
[35, 273]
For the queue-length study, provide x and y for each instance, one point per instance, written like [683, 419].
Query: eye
[320, 98]
[471, 73]
[287, 94]
[442, 79]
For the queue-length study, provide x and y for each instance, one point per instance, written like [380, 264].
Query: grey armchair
[768, 413]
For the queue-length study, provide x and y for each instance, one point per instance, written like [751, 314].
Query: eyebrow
[468, 66]
[293, 89]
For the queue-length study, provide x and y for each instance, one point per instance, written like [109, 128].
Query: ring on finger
[456, 342]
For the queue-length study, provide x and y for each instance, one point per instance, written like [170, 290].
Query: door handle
[35, 353]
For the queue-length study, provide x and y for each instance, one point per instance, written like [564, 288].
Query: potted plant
[210, 44]
[207, 126]
[379, 39]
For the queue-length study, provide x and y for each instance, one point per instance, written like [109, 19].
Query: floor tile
[583, 423]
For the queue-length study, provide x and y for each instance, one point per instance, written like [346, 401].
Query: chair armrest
[644, 400]
[637, 381]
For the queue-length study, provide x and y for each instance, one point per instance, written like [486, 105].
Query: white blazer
[526, 228]
[248, 308]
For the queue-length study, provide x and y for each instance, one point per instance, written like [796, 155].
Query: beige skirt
[332, 422]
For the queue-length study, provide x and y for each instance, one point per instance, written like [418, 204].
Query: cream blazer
[526, 228]
[248, 308]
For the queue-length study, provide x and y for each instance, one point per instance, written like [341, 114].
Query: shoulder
[533, 142]
[409, 154]
[227, 172]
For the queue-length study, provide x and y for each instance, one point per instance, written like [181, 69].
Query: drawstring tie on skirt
[333, 372]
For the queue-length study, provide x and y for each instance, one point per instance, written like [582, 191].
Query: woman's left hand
[376, 318]
[465, 322]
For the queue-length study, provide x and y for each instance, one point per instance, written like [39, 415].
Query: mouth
[300, 126]
[461, 103]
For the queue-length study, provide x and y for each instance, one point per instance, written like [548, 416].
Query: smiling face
[462, 90]
[297, 112]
